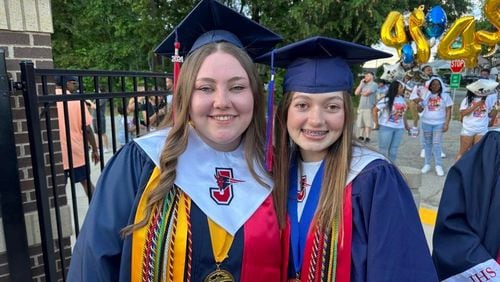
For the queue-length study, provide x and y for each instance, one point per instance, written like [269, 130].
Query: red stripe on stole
[344, 244]
[285, 245]
[262, 246]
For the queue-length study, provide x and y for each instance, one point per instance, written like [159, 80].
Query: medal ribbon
[300, 228]
[221, 241]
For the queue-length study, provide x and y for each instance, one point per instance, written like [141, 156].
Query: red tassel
[177, 60]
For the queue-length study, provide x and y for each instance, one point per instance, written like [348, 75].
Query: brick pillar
[25, 34]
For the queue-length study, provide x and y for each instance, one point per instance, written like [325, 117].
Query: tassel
[177, 60]
[270, 119]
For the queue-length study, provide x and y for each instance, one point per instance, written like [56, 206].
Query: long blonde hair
[337, 164]
[177, 139]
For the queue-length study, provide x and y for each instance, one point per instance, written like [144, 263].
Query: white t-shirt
[435, 107]
[393, 119]
[304, 182]
[477, 121]
[418, 91]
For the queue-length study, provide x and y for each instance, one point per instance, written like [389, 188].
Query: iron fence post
[37, 159]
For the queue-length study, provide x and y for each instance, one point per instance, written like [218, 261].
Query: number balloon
[416, 21]
[393, 31]
[463, 27]
[492, 13]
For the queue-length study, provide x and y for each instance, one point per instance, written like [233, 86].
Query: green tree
[121, 34]
[112, 34]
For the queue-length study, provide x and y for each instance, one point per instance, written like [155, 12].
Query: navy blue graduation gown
[467, 232]
[99, 254]
[388, 241]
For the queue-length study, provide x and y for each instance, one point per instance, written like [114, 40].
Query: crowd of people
[202, 198]
[428, 100]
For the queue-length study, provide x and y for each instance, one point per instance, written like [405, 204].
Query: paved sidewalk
[409, 155]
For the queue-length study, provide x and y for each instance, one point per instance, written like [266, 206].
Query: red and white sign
[457, 65]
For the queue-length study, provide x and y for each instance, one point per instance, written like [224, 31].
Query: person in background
[367, 89]
[170, 91]
[100, 129]
[476, 111]
[153, 111]
[435, 106]
[382, 89]
[425, 75]
[360, 222]
[126, 124]
[466, 239]
[77, 169]
[392, 121]
[485, 74]
[192, 201]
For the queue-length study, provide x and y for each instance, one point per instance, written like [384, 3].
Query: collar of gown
[229, 199]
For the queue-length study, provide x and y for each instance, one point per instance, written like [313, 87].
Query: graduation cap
[211, 21]
[320, 64]
[483, 87]
[314, 65]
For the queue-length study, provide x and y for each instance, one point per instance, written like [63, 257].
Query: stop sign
[457, 65]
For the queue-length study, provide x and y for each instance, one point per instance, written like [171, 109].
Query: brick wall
[36, 47]
[25, 34]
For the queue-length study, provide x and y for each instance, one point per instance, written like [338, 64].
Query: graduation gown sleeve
[467, 233]
[100, 253]
[388, 241]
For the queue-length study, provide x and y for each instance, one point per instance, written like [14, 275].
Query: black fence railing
[70, 92]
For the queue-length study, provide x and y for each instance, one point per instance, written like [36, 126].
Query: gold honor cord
[221, 243]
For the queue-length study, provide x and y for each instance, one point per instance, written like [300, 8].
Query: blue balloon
[407, 54]
[435, 22]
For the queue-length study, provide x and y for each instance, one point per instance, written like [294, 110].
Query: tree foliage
[121, 34]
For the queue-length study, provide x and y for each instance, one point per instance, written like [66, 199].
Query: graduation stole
[161, 250]
[168, 222]
[317, 255]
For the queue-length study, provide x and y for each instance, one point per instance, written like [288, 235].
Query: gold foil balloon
[492, 13]
[393, 31]
[463, 27]
[416, 21]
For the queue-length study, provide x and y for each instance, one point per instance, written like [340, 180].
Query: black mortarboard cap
[320, 64]
[211, 21]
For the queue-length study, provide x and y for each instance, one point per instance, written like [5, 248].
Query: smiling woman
[192, 202]
[315, 122]
[347, 213]
[222, 102]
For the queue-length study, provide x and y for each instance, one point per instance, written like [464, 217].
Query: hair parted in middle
[337, 165]
[177, 139]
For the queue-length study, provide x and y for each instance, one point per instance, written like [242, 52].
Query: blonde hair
[337, 165]
[177, 139]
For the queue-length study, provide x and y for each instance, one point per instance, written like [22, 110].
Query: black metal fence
[48, 107]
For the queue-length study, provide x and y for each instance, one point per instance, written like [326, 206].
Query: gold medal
[219, 275]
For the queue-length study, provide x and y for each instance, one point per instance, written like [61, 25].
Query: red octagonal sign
[457, 65]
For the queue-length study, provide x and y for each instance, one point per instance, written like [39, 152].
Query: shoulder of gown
[467, 232]
[100, 253]
[388, 239]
